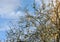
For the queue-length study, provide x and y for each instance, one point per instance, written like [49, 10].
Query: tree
[43, 16]
[46, 20]
[56, 17]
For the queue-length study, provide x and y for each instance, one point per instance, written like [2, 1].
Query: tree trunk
[57, 40]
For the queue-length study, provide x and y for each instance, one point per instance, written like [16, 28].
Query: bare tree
[46, 20]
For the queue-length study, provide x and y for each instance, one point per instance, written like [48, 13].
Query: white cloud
[12, 15]
[7, 6]
[7, 9]
[39, 1]
[4, 28]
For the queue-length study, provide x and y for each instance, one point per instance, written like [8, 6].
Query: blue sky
[10, 11]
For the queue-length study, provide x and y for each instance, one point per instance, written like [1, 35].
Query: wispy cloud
[12, 15]
[8, 7]
[4, 27]
[39, 1]
[7, 11]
